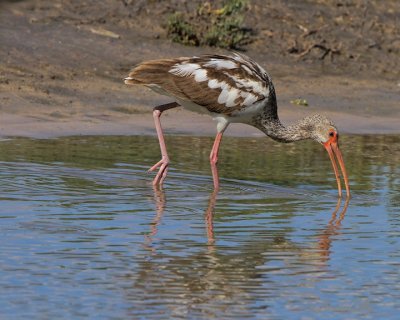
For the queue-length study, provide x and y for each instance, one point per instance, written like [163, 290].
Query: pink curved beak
[333, 150]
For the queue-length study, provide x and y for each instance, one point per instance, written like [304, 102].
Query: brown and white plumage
[232, 89]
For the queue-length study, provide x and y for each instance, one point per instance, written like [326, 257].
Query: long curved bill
[334, 153]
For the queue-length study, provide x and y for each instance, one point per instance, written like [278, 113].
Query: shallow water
[85, 235]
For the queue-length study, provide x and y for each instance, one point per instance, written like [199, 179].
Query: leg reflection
[160, 204]
[160, 201]
[209, 217]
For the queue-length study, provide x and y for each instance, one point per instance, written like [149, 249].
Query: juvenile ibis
[231, 89]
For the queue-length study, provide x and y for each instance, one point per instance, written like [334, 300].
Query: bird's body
[231, 89]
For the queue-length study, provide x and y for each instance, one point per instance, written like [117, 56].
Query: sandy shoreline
[105, 107]
[356, 107]
[177, 122]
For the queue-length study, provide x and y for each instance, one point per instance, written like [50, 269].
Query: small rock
[299, 102]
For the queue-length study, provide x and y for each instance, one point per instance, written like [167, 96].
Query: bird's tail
[149, 72]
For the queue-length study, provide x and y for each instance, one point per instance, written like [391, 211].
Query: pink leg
[214, 159]
[164, 162]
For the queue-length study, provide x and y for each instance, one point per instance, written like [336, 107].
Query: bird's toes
[161, 163]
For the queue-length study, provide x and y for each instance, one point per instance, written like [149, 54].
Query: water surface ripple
[85, 235]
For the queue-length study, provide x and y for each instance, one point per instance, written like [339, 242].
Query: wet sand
[175, 122]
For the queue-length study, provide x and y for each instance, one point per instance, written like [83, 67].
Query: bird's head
[322, 130]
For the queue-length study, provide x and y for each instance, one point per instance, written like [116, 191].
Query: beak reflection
[334, 154]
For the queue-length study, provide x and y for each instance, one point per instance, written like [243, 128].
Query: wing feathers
[222, 84]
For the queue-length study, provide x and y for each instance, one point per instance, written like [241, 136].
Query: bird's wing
[222, 84]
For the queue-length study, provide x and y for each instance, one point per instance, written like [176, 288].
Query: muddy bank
[62, 65]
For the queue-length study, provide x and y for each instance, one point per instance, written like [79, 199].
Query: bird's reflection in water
[323, 244]
[216, 277]
[209, 218]
[332, 229]
[160, 202]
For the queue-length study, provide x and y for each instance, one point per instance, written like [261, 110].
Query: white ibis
[232, 89]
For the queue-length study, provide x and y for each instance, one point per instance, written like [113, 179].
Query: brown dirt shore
[62, 65]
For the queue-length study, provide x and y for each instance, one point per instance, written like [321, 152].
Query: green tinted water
[84, 234]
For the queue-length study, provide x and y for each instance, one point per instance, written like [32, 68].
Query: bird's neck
[277, 131]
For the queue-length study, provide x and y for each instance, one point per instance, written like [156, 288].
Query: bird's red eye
[332, 134]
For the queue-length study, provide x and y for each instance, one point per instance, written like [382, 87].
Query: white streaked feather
[221, 64]
[241, 58]
[250, 89]
[264, 72]
[233, 94]
[200, 75]
[214, 84]
[256, 86]
[249, 100]
[184, 69]
[223, 96]
[247, 65]
[247, 69]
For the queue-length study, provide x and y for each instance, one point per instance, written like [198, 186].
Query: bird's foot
[162, 171]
